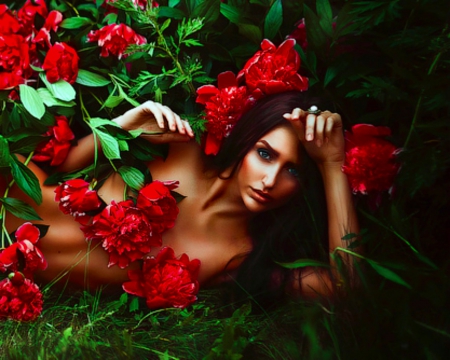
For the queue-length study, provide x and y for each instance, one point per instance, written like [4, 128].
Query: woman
[257, 170]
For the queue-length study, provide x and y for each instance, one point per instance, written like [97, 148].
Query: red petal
[28, 231]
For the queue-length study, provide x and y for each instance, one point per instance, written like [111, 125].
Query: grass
[379, 320]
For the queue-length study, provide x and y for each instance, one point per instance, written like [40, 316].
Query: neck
[223, 199]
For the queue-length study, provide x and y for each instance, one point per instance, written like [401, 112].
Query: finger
[169, 117]
[329, 128]
[320, 124]
[180, 125]
[310, 126]
[188, 128]
[155, 110]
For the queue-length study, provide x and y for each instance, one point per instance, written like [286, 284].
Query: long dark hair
[297, 229]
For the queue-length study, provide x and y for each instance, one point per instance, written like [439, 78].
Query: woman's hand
[321, 135]
[159, 123]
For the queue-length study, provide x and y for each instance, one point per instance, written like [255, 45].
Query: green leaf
[4, 152]
[231, 13]
[31, 101]
[325, 16]
[388, 274]
[132, 177]
[109, 144]
[134, 304]
[207, 9]
[97, 122]
[112, 101]
[316, 36]
[26, 180]
[75, 22]
[301, 263]
[171, 13]
[61, 89]
[88, 78]
[26, 144]
[273, 20]
[49, 100]
[251, 32]
[20, 209]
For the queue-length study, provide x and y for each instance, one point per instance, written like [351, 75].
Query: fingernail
[286, 115]
[309, 137]
[319, 143]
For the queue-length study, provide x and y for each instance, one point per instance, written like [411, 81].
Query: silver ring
[314, 110]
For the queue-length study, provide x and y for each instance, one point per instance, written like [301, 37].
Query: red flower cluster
[271, 70]
[165, 281]
[57, 147]
[27, 235]
[77, 199]
[370, 162]
[20, 298]
[20, 41]
[114, 39]
[126, 231]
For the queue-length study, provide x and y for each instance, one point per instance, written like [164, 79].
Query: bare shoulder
[185, 159]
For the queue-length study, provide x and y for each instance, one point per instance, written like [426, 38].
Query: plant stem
[419, 101]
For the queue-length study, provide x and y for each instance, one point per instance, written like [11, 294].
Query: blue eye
[264, 154]
[294, 172]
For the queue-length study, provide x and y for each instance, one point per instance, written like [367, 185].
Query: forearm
[80, 155]
[342, 218]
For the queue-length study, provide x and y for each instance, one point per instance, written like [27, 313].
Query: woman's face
[268, 174]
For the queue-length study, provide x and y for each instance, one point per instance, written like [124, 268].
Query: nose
[270, 177]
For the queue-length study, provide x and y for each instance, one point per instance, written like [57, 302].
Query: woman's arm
[159, 123]
[323, 139]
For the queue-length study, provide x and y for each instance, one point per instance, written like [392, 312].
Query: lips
[261, 196]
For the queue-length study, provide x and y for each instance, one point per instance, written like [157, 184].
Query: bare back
[200, 231]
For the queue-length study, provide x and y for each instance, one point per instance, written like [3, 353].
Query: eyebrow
[276, 153]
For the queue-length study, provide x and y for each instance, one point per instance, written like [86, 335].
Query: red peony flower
[14, 60]
[27, 14]
[20, 299]
[370, 162]
[224, 106]
[8, 22]
[125, 232]
[27, 235]
[159, 204]
[165, 281]
[10, 80]
[61, 62]
[299, 34]
[57, 147]
[114, 39]
[76, 198]
[272, 70]
[52, 22]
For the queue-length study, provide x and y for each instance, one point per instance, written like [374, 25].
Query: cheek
[287, 188]
[249, 168]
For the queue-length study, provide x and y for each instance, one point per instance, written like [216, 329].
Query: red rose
[76, 198]
[8, 23]
[28, 12]
[125, 232]
[14, 57]
[299, 34]
[224, 106]
[52, 22]
[165, 281]
[159, 204]
[114, 39]
[61, 62]
[370, 161]
[272, 70]
[10, 80]
[20, 299]
[57, 147]
[27, 235]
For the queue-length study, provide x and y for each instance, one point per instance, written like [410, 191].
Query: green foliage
[380, 62]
